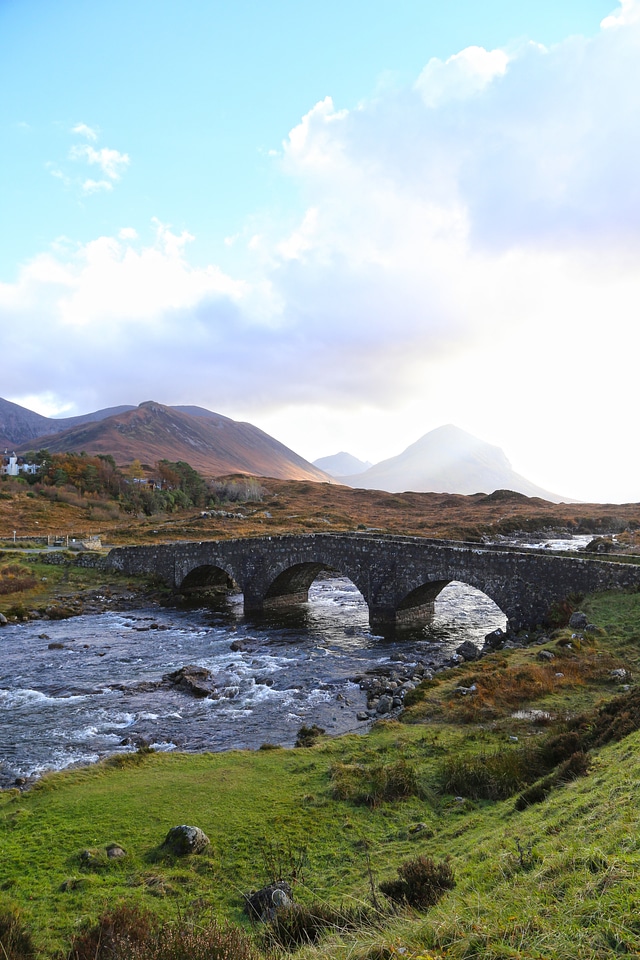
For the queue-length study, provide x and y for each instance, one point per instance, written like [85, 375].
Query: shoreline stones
[386, 687]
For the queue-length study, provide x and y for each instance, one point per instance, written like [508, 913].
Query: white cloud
[111, 162]
[96, 186]
[628, 13]
[461, 76]
[84, 131]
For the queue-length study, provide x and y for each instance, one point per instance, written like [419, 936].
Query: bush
[421, 883]
[130, 933]
[15, 939]
[297, 925]
[307, 736]
[373, 784]
[114, 935]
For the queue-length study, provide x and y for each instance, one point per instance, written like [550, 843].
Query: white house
[12, 466]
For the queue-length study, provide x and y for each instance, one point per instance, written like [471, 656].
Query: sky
[348, 222]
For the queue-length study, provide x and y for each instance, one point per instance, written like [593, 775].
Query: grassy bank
[553, 875]
[30, 587]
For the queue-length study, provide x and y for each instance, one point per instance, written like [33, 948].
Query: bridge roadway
[399, 577]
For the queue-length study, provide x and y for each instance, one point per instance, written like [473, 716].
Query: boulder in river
[468, 650]
[198, 681]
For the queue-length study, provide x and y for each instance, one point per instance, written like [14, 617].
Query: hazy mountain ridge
[342, 464]
[448, 460]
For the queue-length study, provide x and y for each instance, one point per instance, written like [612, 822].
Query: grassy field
[527, 784]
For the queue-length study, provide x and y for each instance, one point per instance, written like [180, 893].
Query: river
[73, 691]
[76, 690]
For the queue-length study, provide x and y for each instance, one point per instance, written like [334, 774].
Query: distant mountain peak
[447, 460]
[341, 464]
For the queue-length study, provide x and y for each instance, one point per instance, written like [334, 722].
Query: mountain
[18, 425]
[447, 460]
[342, 465]
[212, 444]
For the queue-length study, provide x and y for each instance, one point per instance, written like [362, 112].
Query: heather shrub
[421, 883]
[131, 933]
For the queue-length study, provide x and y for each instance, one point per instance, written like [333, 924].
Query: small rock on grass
[263, 904]
[184, 839]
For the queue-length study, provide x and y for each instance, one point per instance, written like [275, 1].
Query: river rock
[494, 640]
[468, 650]
[3, 620]
[198, 681]
[240, 646]
[183, 840]
[384, 705]
[263, 904]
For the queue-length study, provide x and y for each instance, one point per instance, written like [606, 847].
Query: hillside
[212, 444]
[20, 426]
[448, 460]
[291, 506]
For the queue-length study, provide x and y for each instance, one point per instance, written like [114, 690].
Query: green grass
[37, 584]
[558, 878]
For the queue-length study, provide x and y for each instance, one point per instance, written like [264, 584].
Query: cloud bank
[481, 228]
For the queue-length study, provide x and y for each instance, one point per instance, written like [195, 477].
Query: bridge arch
[207, 578]
[291, 584]
[418, 605]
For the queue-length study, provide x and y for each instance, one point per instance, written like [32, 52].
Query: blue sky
[346, 222]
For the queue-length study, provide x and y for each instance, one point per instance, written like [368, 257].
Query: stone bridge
[399, 577]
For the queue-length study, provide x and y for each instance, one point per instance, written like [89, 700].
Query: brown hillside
[212, 444]
[290, 506]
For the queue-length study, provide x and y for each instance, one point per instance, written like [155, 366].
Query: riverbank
[554, 878]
